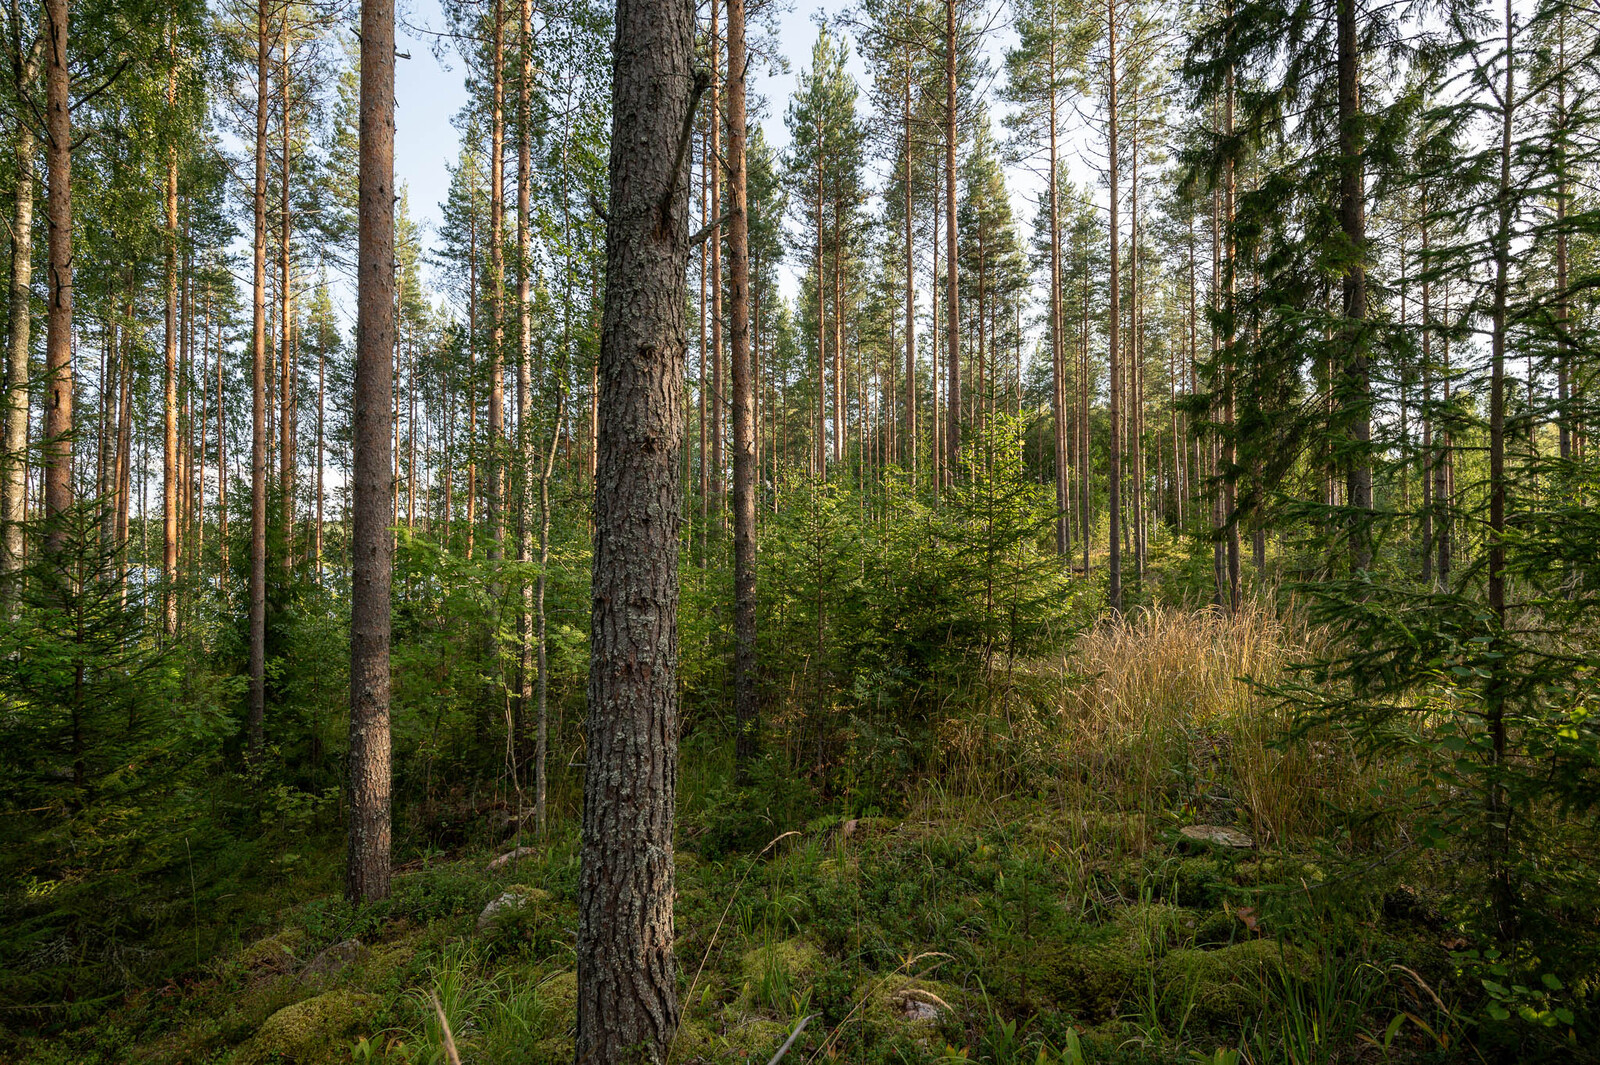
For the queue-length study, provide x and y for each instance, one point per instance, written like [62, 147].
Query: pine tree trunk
[258, 399]
[1113, 326]
[58, 321]
[746, 705]
[627, 996]
[169, 410]
[497, 283]
[367, 867]
[287, 385]
[908, 448]
[952, 292]
[14, 474]
[1356, 384]
[524, 367]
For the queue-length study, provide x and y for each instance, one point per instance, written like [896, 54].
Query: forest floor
[1145, 870]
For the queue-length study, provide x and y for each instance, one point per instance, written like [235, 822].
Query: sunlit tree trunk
[627, 995]
[367, 867]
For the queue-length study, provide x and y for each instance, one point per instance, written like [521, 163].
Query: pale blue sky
[430, 92]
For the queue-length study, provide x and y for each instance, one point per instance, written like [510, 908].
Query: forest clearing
[645, 532]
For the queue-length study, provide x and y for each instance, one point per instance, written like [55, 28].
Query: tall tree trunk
[1113, 325]
[367, 867]
[58, 322]
[627, 996]
[169, 442]
[746, 704]
[1058, 368]
[714, 177]
[1356, 383]
[258, 401]
[1497, 813]
[14, 473]
[524, 371]
[497, 284]
[909, 455]
[287, 385]
[541, 748]
[821, 449]
[1230, 481]
[952, 293]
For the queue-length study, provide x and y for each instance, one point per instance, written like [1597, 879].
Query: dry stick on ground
[862, 1001]
[444, 1026]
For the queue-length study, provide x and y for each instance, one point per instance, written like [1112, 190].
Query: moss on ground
[314, 1031]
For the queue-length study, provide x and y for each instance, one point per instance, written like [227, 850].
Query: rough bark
[1356, 373]
[746, 706]
[58, 321]
[367, 866]
[497, 282]
[1113, 326]
[14, 474]
[258, 404]
[169, 441]
[627, 1000]
[952, 293]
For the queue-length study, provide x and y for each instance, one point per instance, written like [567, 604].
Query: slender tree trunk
[1113, 325]
[714, 177]
[497, 284]
[746, 705]
[169, 442]
[258, 399]
[1356, 383]
[909, 452]
[1230, 484]
[627, 995]
[14, 475]
[58, 322]
[1058, 357]
[524, 375]
[287, 385]
[367, 868]
[1498, 815]
[952, 292]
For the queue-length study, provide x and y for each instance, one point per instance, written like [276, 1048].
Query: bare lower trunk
[627, 998]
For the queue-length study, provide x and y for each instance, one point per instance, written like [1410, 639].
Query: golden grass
[1157, 715]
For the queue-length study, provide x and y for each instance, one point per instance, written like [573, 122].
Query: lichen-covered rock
[310, 1032]
[276, 953]
[512, 898]
[333, 959]
[1217, 836]
[1228, 984]
[906, 1005]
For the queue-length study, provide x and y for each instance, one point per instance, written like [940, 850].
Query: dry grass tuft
[1156, 716]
